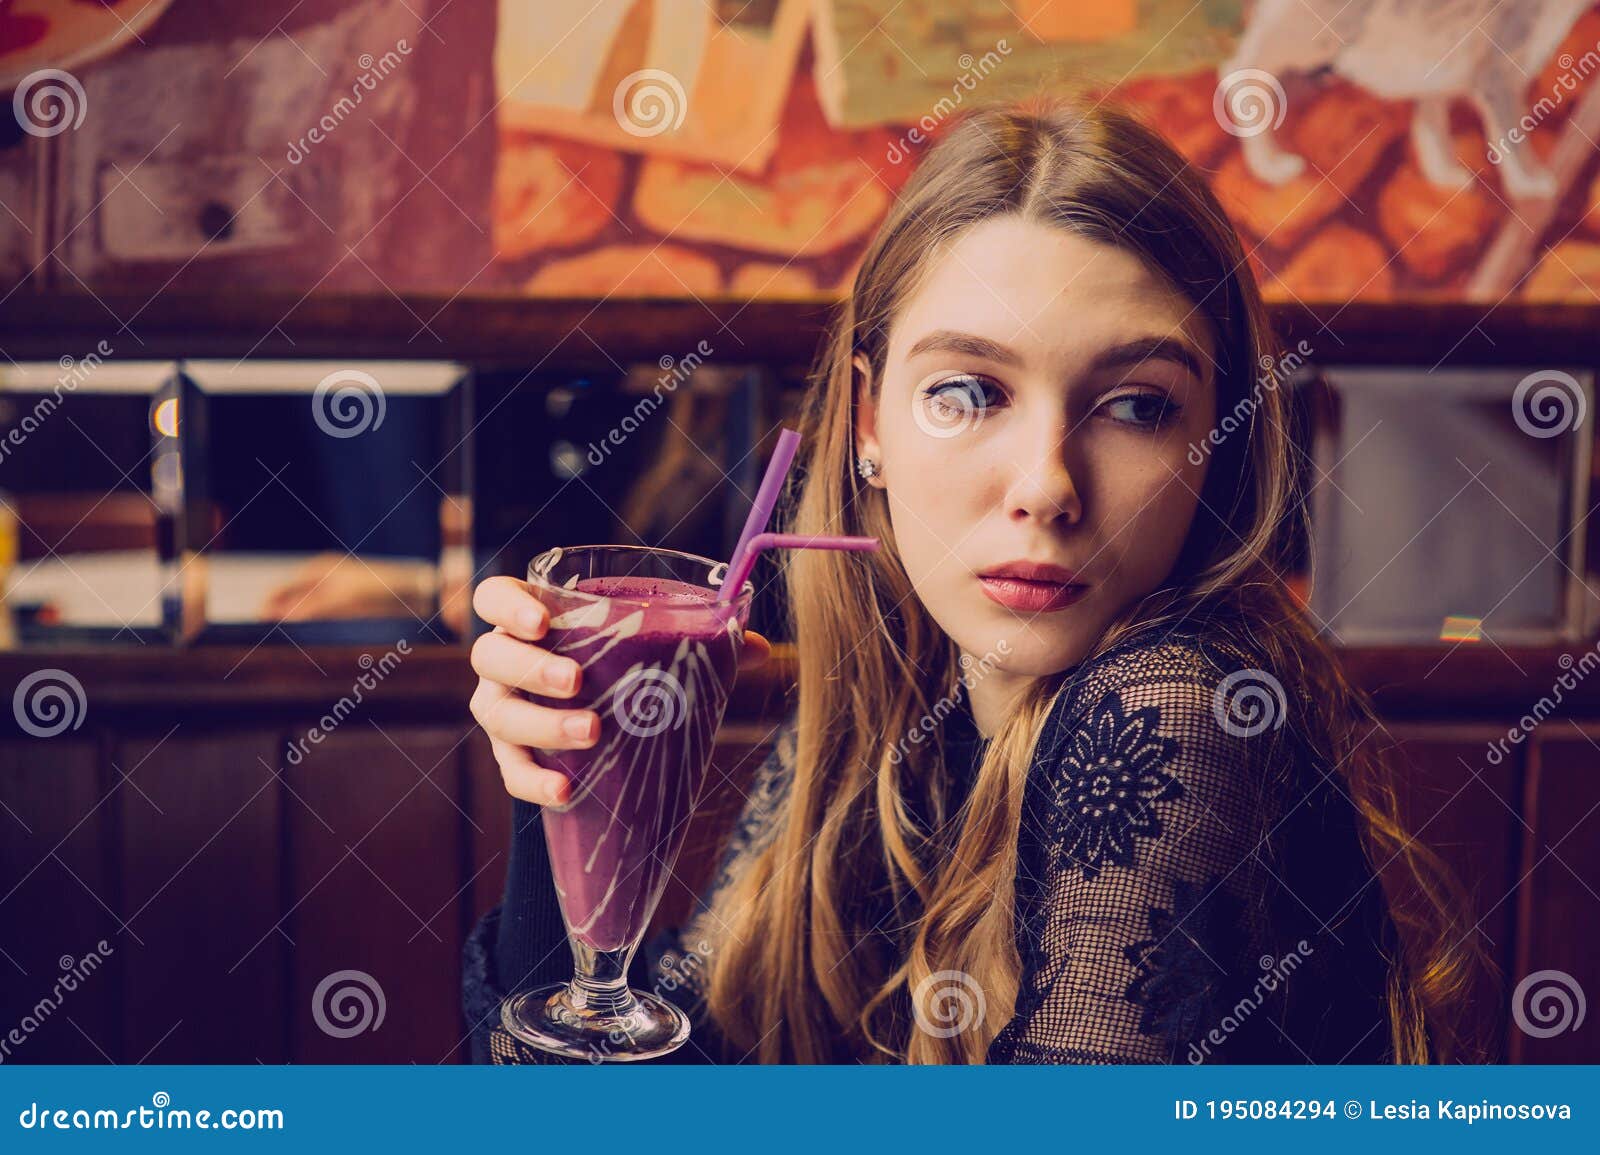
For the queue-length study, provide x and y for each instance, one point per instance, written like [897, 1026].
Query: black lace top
[1190, 886]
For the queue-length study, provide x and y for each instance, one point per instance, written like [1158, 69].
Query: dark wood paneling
[377, 855]
[58, 899]
[1559, 907]
[201, 890]
[247, 892]
[490, 808]
[1466, 808]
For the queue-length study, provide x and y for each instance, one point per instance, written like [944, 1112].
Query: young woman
[1127, 813]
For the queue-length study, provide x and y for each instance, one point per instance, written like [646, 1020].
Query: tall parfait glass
[659, 655]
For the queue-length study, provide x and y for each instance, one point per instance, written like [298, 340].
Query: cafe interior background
[314, 314]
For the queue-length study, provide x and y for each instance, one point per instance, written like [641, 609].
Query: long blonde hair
[808, 969]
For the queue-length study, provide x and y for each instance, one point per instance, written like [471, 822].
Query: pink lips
[1031, 596]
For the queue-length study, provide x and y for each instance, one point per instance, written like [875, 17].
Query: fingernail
[578, 727]
[565, 676]
[529, 620]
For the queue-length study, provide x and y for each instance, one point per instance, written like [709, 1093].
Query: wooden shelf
[435, 682]
[587, 334]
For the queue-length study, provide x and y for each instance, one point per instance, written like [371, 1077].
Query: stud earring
[867, 467]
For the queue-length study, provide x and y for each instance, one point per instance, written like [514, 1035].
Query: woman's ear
[866, 419]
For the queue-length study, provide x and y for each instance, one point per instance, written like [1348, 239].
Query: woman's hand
[507, 660]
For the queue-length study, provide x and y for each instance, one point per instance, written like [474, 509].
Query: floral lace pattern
[1110, 777]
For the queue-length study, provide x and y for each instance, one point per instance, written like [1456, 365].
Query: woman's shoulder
[1199, 651]
[1201, 680]
[1171, 727]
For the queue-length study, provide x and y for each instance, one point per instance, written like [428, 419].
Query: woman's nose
[1044, 488]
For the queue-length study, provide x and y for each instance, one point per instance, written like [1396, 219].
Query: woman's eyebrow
[1144, 349]
[950, 341]
[1134, 352]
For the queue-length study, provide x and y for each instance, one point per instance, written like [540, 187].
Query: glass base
[622, 1026]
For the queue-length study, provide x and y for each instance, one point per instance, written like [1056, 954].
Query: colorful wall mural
[1368, 150]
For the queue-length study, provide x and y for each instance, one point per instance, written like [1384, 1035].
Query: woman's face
[1038, 401]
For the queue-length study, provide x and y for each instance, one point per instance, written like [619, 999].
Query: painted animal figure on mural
[1435, 52]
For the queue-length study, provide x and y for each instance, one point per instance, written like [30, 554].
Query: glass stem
[600, 984]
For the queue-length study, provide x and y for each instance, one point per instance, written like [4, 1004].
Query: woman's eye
[956, 396]
[1147, 410]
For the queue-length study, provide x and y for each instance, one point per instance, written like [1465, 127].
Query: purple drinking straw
[752, 539]
[736, 576]
[767, 495]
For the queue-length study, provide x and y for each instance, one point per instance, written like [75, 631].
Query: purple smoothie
[659, 676]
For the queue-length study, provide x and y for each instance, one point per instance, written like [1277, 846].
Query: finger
[526, 779]
[755, 651]
[502, 658]
[510, 604]
[512, 718]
